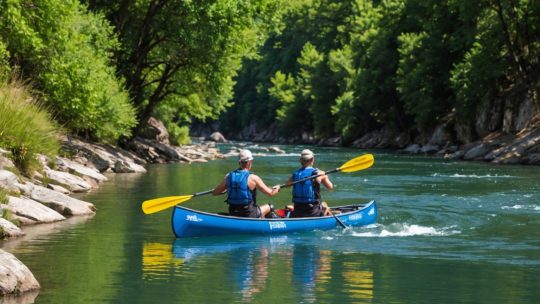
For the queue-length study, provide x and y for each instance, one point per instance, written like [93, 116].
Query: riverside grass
[26, 128]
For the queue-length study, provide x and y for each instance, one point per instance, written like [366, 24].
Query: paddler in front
[241, 186]
[306, 195]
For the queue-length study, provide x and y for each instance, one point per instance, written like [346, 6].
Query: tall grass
[26, 128]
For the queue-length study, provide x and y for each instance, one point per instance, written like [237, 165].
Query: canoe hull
[192, 223]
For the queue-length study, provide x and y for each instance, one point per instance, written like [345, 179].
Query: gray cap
[245, 156]
[307, 154]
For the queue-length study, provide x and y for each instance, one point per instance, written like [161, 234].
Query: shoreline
[498, 147]
[45, 198]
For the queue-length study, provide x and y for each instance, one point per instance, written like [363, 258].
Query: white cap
[306, 154]
[245, 156]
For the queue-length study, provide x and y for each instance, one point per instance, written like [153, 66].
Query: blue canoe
[192, 223]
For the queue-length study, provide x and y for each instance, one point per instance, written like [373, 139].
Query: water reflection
[25, 298]
[43, 232]
[257, 267]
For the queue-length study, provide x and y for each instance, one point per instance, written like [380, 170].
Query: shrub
[67, 52]
[178, 135]
[26, 128]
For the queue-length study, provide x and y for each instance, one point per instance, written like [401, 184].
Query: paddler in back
[306, 195]
[241, 186]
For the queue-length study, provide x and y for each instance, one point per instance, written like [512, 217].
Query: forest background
[307, 69]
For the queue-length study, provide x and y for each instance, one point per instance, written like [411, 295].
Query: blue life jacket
[307, 191]
[237, 188]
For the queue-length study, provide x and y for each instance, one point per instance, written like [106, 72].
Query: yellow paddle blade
[158, 204]
[358, 163]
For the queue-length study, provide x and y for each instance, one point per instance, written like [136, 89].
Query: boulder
[15, 277]
[73, 182]
[7, 180]
[332, 142]
[476, 152]
[276, 150]
[101, 156]
[384, 138]
[122, 166]
[412, 149]
[8, 229]
[67, 165]
[217, 137]
[28, 211]
[169, 153]
[4, 161]
[156, 130]
[429, 149]
[455, 156]
[61, 203]
[58, 188]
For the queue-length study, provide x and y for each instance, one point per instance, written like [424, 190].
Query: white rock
[72, 166]
[31, 212]
[15, 277]
[61, 203]
[128, 167]
[276, 149]
[9, 229]
[73, 182]
[5, 162]
[7, 179]
[58, 188]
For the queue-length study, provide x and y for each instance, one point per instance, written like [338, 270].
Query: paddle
[356, 164]
[158, 204]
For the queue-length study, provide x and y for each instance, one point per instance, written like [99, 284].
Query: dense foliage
[348, 67]
[65, 52]
[318, 67]
[179, 57]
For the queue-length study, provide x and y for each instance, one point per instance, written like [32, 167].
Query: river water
[447, 232]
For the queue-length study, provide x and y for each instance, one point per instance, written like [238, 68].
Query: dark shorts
[307, 210]
[250, 210]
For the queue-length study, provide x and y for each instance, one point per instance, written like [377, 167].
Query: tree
[183, 55]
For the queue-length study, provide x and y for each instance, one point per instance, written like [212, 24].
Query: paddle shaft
[309, 177]
[338, 220]
[203, 193]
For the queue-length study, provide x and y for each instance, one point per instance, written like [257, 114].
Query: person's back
[241, 186]
[306, 195]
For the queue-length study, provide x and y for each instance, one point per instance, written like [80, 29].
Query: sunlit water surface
[448, 232]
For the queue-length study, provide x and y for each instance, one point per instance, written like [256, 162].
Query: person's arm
[221, 188]
[289, 181]
[325, 181]
[262, 186]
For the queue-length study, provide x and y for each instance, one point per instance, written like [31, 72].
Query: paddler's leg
[326, 210]
[265, 209]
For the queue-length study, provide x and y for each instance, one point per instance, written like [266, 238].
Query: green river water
[447, 232]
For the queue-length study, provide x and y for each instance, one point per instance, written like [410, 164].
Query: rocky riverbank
[44, 198]
[516, 140]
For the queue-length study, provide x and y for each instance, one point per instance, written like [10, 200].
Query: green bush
[26, 128]
[178, 135]
[67, 52]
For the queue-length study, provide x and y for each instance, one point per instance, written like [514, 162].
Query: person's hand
[321, 173]
[277, 187]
